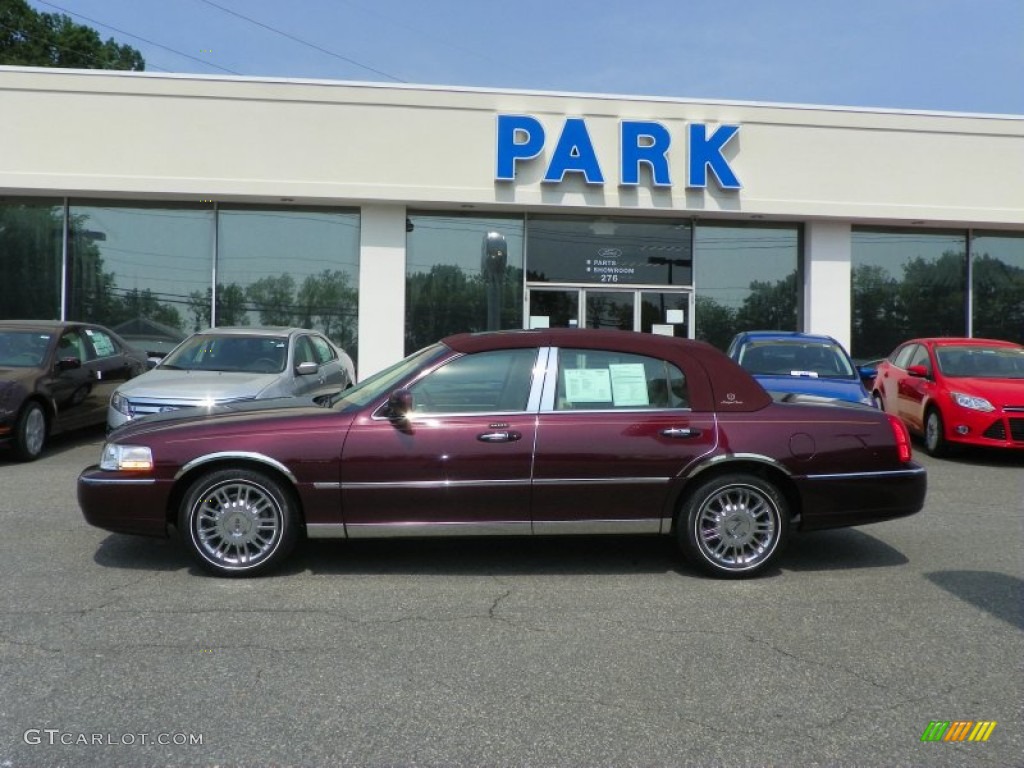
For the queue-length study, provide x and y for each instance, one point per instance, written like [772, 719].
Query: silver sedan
[229, 365]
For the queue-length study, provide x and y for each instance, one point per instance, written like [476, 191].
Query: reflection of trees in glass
[30, 237]
[998, 299]
[927, 301]
[447, 300]
[273, 298]
[768, 306]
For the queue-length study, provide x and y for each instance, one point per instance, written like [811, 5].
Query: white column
[827, 274]
[381, 287]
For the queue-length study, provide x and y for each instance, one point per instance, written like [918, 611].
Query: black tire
[30, 432]
[733, 526]
[238, 522]
[935, 443]
[876, 399]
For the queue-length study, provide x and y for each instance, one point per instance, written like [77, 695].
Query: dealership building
[391, 215]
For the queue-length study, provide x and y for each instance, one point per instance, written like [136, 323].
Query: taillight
[899, 431]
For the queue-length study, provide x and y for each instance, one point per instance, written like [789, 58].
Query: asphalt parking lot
[552, 652]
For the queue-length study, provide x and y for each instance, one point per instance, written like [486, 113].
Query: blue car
[787, 362]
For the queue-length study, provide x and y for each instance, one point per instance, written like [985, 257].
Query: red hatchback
[955, 391]
[558, 431]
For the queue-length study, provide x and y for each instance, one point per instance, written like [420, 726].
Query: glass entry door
[650, 311]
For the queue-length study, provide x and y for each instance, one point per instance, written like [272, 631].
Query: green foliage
[34, 39]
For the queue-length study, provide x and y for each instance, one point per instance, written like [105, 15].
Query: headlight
[972, 402]
[138, 458]
[119, 403]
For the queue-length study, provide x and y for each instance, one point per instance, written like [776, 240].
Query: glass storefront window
[31, 234]
[905, 284]
[609, 251]
[997, 285]
[463, 273]
[290, 267]
[747, 278]
[141, 269]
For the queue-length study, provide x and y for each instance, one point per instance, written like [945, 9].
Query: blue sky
[948, 55]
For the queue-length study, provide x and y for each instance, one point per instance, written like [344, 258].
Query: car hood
[839, 389]
[197, 385]
[271, 408]
[998, 391]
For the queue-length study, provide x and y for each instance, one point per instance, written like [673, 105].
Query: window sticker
[629, 385]
[587, 386]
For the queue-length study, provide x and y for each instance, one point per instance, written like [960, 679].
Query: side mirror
[306, 369]
[867, 373]
[399, 404]
[920, 371]
[68, 364]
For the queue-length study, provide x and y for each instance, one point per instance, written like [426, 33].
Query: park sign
[522, 139]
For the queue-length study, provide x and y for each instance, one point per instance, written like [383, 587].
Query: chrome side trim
[730, 458]
[869, 475]
[422, 530]
[116, 481]
[427, 484]
[327, 486]
[603, 481]
[245, 455]
[326, 531]
[587, 527]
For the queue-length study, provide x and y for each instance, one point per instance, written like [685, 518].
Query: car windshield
[23, 349]
[229, 353]
[981, 362]
[380, 384]
[796, 358]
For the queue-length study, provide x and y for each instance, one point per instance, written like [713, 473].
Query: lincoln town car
[538, 432]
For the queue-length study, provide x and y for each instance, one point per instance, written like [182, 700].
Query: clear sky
[948, 55]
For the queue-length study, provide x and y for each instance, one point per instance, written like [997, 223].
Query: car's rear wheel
[935, 443]
[30, 432]
[733, 526]
[877, 400]
[238, 522]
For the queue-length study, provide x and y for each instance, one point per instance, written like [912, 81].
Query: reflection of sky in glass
[892, 250]
[729, 259]
[458, 241]
[168, 251]
[1008, 249]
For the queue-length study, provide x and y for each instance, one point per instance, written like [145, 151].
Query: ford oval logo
[610, 253]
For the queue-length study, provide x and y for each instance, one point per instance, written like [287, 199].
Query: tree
[34, 39]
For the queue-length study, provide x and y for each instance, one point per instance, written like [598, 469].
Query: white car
[230, 365]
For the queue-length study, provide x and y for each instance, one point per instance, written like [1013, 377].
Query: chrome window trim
[244, 455]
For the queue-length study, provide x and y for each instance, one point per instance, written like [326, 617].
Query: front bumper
[124, 502]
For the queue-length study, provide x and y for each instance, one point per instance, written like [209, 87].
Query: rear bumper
[858, 498]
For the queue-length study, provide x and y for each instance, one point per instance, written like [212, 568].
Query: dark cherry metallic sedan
[554, 431]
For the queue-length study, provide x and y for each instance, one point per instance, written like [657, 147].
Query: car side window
[72, 344]
[304, 352]
[324, 352]
[600, 380]
[920, 356]
[102, 343]
[485, 382]
[902, 357]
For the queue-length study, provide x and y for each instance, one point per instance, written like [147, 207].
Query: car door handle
[680, 432]
[499, 437]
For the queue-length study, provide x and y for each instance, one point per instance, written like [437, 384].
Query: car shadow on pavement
[838, 550]
[142, 553]
[995, 593]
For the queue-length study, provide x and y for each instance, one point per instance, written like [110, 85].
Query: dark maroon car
[560, 431]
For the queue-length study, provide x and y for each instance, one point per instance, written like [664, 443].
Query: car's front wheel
[238, 522]
[30, 432]
[734, 525]
[934, 434]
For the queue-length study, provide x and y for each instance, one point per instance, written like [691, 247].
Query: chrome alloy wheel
[737, 528]
[34, 431]
[235, 525]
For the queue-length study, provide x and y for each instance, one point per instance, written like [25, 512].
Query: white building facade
[391, 215]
